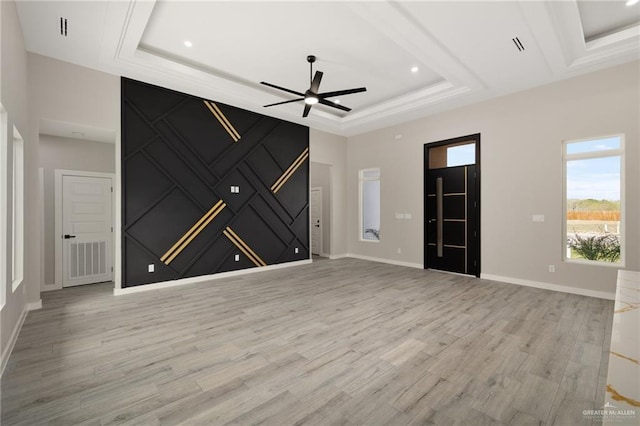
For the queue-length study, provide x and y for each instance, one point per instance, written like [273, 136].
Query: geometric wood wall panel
[183, 158]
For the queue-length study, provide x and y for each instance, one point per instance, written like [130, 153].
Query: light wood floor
[335, 342]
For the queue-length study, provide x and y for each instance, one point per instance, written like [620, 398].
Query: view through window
[370, 204]
[593, 200]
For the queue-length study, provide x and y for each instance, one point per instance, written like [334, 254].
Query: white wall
[521, 175]
[320, 177]
[66, 92]
[13, 96]
[69, 154]
[330, 149]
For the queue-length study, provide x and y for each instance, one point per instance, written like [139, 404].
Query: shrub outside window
[593, 200]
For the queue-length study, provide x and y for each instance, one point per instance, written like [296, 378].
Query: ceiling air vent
[63, 26]
[518, 44]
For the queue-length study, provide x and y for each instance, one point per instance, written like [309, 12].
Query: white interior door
[316, 221]
[87, 231]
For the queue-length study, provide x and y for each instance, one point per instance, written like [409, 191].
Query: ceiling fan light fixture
[310, 100]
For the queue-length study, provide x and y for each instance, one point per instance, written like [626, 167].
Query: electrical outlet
[552, 268]
[295, 250]
[236, 258]
[151, 267]
[399, 251]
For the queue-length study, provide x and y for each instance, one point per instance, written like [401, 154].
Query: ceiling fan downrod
[311, 59]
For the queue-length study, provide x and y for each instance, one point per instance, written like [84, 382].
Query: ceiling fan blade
[315, 84]
[284, 102]
[282, 88]
[307, 108]
[342, 92]
[333, 104]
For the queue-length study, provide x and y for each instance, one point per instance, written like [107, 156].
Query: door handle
[439, 218]
[67, 236]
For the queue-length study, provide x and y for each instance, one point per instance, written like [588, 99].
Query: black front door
[451, 214]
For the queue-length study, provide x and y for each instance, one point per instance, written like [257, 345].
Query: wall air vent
[518, 44]
[63, 26]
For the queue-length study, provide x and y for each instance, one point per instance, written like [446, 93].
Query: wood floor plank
[344, 342]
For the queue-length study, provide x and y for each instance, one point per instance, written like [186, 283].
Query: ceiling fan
[311, 96]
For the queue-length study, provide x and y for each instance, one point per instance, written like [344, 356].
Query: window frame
[4, 186]
[17, 210]
[361, 180]
[605, 153]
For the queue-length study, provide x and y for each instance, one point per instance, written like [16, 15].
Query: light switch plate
[151, 267]
[295, 250]
[537, 218]
[236, 258]
[407, 215]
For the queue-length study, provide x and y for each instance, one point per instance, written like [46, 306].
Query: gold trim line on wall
[290, 171]
[223, 120]
[192, 232]
[244, 248]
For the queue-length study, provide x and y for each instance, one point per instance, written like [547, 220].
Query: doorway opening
[315, 204]
[452, 205]
[320, 209]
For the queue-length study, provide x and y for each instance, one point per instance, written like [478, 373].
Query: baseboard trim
[16, 332]
[389, 261]
[204, 278]
[549, 286]
[49, 287]
[12, 340]
[34, 306]
[338, 256]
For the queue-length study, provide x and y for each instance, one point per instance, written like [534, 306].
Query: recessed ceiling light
[188, 43]
[414, 69]
[632, 2]
[336, 101]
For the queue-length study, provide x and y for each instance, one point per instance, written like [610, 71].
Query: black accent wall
[182, 159]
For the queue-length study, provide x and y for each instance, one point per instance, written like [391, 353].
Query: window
[3, 204]
[452, 155]
[459, 155]
[593, 200]
[370, 205]
[17, 210]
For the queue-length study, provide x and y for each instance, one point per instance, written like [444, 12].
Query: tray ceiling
[465, 52]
